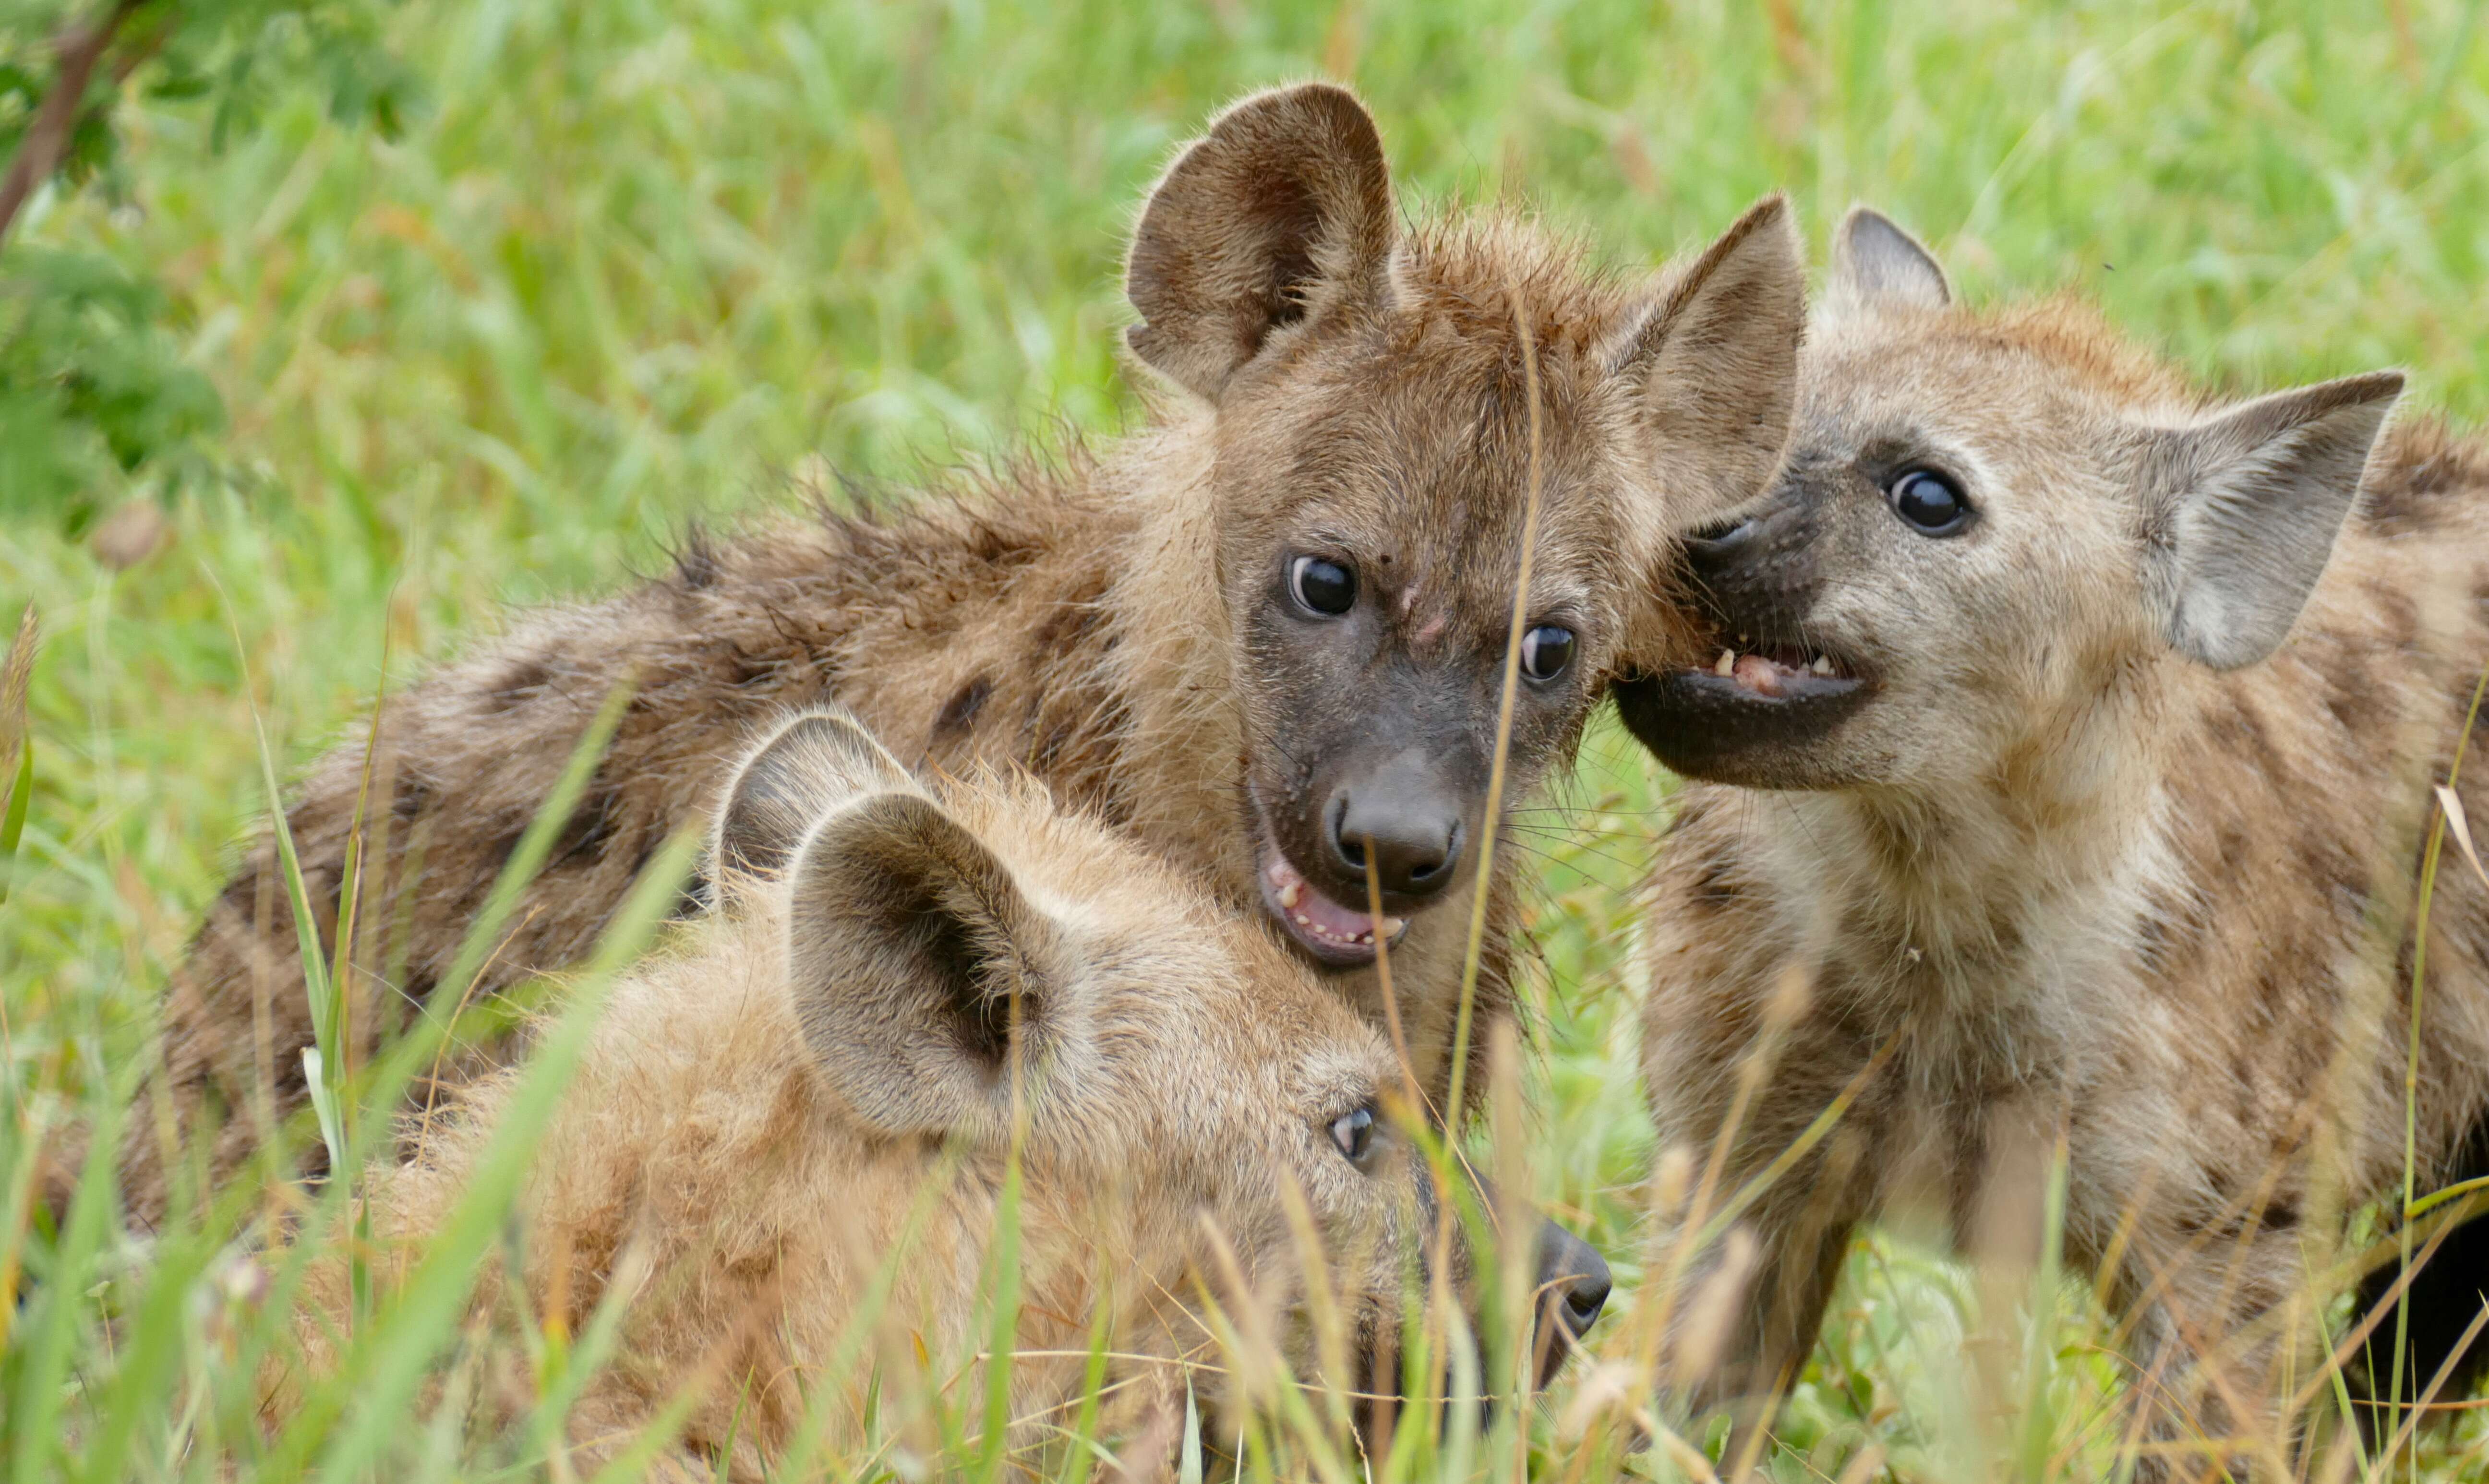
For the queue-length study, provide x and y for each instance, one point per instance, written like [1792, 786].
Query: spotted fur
[2055, 877]
[1107, 623]
[798, 1099]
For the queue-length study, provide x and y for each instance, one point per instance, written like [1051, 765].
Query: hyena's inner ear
[2242, 511]
[915, 961]
[812, 763]
[1282, 211]
[1876, 264]
[1717, 363]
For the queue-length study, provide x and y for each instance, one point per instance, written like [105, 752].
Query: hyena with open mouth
[908, 989]
[2064, 735]
[1268, 636]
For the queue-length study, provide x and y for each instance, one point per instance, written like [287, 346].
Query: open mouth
[1775, 671]
[1755, 696]
[1330, 932]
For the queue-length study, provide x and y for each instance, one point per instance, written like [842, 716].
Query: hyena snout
[1399, 819]
[1772, 683]
[1758, 572]
[1569, 1288]
[1573, 1287]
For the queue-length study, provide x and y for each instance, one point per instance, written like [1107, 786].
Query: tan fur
[1106, 624]
[2069, 881]
[728, 1153]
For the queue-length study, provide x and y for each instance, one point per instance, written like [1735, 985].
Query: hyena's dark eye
[1323, 587]
[1931, 502]
[1353, 1132]
[1545, 651]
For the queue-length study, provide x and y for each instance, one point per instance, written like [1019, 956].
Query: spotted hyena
[905, 985]
[1268, 636]
[2059, 752]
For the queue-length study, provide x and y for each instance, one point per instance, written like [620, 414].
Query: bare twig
[48, 137]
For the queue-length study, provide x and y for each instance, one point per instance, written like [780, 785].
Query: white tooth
[1289, 892]
[1303, 921]
[1727, 665]
[1391, 926]
[1822, 665]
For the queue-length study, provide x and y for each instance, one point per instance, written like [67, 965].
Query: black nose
[1572, 1279]
[1768, 540]
[1725, 539]
[1411, 822]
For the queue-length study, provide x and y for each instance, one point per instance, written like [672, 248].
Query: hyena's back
[967, 630]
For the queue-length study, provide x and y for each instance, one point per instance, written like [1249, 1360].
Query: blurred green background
[479, 303]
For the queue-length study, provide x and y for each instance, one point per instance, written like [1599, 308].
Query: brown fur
[2070, 880]
[1113, 626]
[795, 1099]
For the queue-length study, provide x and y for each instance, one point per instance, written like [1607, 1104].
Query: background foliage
[388, 316]
[93, 382]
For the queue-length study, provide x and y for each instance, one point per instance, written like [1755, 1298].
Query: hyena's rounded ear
[1280, 212]
[1716, 361]
[916, 962]
[1876, 264]
[2241, 512]
[812, 763]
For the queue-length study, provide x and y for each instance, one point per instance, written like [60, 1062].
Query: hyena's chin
[1756, 714]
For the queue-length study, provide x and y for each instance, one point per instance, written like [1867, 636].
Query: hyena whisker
[1597, 813]
[1558, 846]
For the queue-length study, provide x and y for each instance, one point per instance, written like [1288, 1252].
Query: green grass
[640, 261]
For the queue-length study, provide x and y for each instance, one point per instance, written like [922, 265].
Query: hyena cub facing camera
[2065, 733]
[1266, 638]
[830, 1071]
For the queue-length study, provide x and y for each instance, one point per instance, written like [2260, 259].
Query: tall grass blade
[306, 928]
[421, 1045]
[2427, 896]
[1002, 1332]
[323, 1055]
[1083, 1451]
[529, 857]
[2461, 827]
[407, 1335]
[1472, 955]
[16, 742]
[51, 1319]
[26, 1163]
[12, 819]
[1188, 1463]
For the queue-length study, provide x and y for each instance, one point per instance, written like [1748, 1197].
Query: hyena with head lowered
[2058, 764]
[1268, 636]
[819, 1090]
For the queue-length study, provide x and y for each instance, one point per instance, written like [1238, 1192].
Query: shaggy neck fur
[1172, 653]
[698, 1171]
[1987, 901]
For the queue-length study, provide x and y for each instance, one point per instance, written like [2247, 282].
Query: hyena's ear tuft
[1281, 212]
[916, 962]
[2242, 511]
[812, 763]
[1717, 363]
[1876, 264]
